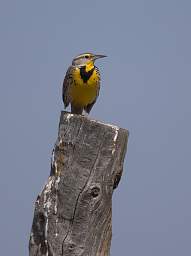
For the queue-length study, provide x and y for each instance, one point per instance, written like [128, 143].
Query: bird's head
[86, 59]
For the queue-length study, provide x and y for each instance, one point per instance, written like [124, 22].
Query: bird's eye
[87, 56]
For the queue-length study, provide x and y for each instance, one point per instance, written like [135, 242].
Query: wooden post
[72, 214]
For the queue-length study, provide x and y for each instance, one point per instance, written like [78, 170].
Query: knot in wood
[95, 191]
[71, 246]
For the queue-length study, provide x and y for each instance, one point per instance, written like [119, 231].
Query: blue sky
[146, 88]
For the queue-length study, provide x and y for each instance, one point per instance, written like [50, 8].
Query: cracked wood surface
[73, 212]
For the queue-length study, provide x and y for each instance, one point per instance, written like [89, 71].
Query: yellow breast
[83, 93]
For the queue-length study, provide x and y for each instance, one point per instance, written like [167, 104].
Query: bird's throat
[86, 72]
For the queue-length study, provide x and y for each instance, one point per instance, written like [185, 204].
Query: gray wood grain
[73, 212]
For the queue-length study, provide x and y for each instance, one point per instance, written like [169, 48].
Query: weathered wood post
[73, 212]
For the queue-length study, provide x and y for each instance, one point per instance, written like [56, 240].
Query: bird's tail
[76, 110]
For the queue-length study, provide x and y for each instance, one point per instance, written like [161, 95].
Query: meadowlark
[82, 83]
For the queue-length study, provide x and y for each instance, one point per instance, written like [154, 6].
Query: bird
[81, 84]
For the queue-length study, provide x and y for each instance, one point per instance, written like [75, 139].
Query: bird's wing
[68, 80]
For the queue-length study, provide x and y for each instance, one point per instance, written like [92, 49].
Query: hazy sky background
[146, 88]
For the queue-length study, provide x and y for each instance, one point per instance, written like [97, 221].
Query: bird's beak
[98, 56]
